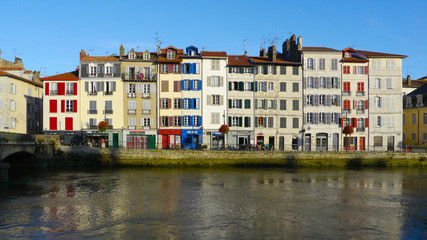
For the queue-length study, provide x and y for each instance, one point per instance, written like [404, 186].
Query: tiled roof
[319, 49]
[3, 73]
[69, 76]
[421, 90]
[278, 61]
[99, 58]
[214, 54]
[28, 71]
[239, 60]
[11, 68]
[378, 54]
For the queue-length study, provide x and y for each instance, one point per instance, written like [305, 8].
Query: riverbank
[82, 156]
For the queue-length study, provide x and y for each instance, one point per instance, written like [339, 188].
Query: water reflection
[215, 204]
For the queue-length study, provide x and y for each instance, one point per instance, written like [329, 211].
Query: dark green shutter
[229, 103]
[229, 121]
[240, 121]
[229, 86]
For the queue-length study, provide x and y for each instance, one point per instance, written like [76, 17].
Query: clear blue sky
[48, 35]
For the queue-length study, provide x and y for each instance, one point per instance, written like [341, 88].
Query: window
[389, 83]
[92, 107]
[215, 100]
[414, 119]
[283, 87]
[248, 86]
[215, 64]
[236, 103]
[146, 122]
[165, 86]
[295, 123]
[424, 136]
[334, 64]
[390, 64]
[53, 88]
[335, 82]
[295, 105]
[270, 122]
[321, 64]
[376, 65]
[295, 87]
[165, 68]
[346, 87]
[176, 68]
[12, 105]
[310, 64]
[186, 85]
[321, 117]
[360, 86]
[270, 86]
[413, 136]
[196, 121]
[262, 86]
[261, 104]
[309, 117]
[282, 70]
[361, 105]
[108, 71]
[164, 103]
[146, 56]
[132, 107]
[235, 121]
[215, 81]
[247, 121]
[92, 71]
[187, 103]
[92, 123]
[377, 102]
[164, 121]
[171, 55]
[196, 85]
[322, 83]
[377, 83]
[109, 107]
[378, 141]
[215, 118]
[322, 99]
[424, 118]
[346, 69]
[379, 121]
[404, 119]
[295, 70]
[247, 104]
[346, 104]
[69, 88]
[419, 100]
[282, 104]
[273, 70]
[132, 123]
[69, 106]
[261, 121]
[309, 82]
[177, 103]
[271, 104]
[186, 120]
[282, 122]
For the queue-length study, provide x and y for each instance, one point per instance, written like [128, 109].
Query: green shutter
[229, 121]
[247, 103]
[241, 86]
[240, 103]
[252, 86]
[229, 103]
[274, 104]
[256, 86]
[229, 86]
[255, 104]
[240, 121]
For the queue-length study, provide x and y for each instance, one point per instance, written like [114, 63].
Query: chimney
[408, 80]
[82, 54]
[263, 52]
[272, 53]
[300, 43]
[122, 50]
[246, 53]
[158, 50]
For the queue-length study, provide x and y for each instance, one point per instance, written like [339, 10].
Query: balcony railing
[110, 127]
[146, 111]
[146, 127]
[131, 95]
[346, 110]
[360, 129]
[93, 93]
[92, 111]
[146, 95]
[346, 93]
[139, 77]
[132, 111]
[108, 75]
[93, 75]
[69, 92]
[132, 127]
[360, 111]
[108, 93]
[93, 127]
[53, 92]
[360, 93]
[108, 111]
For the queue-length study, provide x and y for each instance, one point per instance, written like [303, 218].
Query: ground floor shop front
[110, 138]
[321, 141]
[145, 139]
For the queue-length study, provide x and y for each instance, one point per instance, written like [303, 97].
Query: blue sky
[48, 35]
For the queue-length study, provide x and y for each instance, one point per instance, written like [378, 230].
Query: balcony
[53, 92]
[146, 111]
[360, 111]
[360, 93]
[346, 93]
[108, 111]
[360, 129]
[139, 77]
[132, 111]
[108, 93]
[93, 127]
[346, 111]
[131, 95]
[131, 127]
[108, 75]
[69, 92]
[93, 75]
[92, 111]
[146, 95]
[110, 127]
[146, 127]
[93, 93]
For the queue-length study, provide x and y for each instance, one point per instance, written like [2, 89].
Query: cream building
[21, 98]
[214, 97]
[321, 98]
[139, 77]
[101, 98]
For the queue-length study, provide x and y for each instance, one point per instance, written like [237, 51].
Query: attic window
[132, 55]
[192, 53]
[236, 58]
[171, 55]
[347, 55]
[419, 100]
[408, 102]
[146, 56]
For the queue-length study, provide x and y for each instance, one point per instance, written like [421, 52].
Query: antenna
[158, 41]
[1, 53]
[203, 48]
[137, 47]
[106, 53]
[244, 44]
[263, 42]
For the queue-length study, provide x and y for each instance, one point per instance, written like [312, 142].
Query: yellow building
[20, 98]
[139, 78]
[415, 118]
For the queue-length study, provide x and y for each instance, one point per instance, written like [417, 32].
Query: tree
[348, 130]
[224, 129]
[102, 126]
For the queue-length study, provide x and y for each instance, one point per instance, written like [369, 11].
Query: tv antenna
[137, 47]
[244, 44]
[203, 48]
[158, 41]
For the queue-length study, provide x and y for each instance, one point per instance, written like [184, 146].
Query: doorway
[390, 143]
[307, 142]
[322, 142]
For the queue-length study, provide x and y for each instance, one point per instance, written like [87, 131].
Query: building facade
[415, 118]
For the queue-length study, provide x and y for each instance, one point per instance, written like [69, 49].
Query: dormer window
[132, 55]
[408, 102]
[108, 70]
[192, 53]
[419, 101]
[171, 55]
[347, 55]
[146, 56]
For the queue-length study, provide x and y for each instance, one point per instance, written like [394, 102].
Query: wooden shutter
[170, 122]
[366, 122]
[46, 89]
[366, 69]
[52, 106]
[62, 105]
[53, 123]
[75, 106]
[366, 104]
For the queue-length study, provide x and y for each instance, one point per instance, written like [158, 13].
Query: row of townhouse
[299, 98]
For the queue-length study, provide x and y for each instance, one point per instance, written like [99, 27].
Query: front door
[390, 143]
[307, 142]
[322, 142]
[362, 143]
[271, 143]
[115, 140]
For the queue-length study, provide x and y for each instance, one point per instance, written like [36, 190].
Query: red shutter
[354, 70]
[75, 106]
[366, 122]
[342, 122]
[366, 104]
[52, 106]
[61, 88]
[169, 103]
[46, 89]
[354, 104]
[53, 123]
[355, 122]
[68, 123]
[170, 121]
[74, 88]
[170, 68]
[62, 105]
[362, 86]
[175, 87]
[366, 69]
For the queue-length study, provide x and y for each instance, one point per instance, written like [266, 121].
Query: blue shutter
[191, 121]
[183, 68]
[182, 85]
[191, 103]
[200, 120]
[193, 68]
[191, 84]
[200, 84]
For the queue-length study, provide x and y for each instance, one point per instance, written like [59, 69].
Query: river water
[214, 204]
